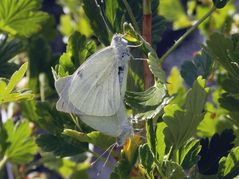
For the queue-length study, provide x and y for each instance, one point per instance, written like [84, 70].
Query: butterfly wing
[95, 88]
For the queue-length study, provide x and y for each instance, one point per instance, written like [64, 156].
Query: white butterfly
[96, 90]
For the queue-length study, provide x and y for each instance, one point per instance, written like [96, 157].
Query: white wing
[62, 88]
[95, 88]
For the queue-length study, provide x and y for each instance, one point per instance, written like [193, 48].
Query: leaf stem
[147, 35]
[3, 161]
[131, 15]
[186, 34]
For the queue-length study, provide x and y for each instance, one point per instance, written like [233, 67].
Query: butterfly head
[119, 41]
[127, 131]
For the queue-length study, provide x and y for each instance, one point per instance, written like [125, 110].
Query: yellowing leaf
[175, 81]
[131, 146]
[173, 11]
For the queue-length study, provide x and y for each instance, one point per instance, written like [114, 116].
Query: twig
[186, 34]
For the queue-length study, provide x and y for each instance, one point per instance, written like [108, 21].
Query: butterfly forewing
[95, 88]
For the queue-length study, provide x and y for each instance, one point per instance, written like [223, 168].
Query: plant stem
[186, 34]
[147, 35]
[131, 15]
[2, 162]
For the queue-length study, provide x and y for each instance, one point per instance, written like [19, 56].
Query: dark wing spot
[79, 74]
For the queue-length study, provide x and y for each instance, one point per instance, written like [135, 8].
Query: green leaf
[234, 118]
[151, 136]
[7, 69]
[200, 65]
[39, 60]
[114, 15]
[189, 154]
[230, 85]
[22, 147]
[9, 49]
[148, 103]
[78, 49]
[160, 144]
[229, 166]
[122, 169]
[92, 11]
[147, 160]
[229, 102]
[174, 12]
[158, 22]
[21, 17]
[6, 90]
[97, 138]
[61, 145]
[182, 123]
[50, 119]
[171, 170]
[3, 140]
[220, 3]
[156, 68]
[225, 51]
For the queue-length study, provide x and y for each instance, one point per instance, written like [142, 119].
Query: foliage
[6, 90]
[185, 129]
[17, 146]
[16, 15]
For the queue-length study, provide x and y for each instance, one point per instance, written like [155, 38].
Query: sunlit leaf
[146, 159]
[229, 166]
[6, 89]
[95, 137]
[16, 15]
[189, 154]
[160, 143]
[182, 123]
[174, 81]
[78, 49]
[22, 147]
[179, 18]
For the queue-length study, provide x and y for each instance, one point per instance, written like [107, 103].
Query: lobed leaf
[21, 146]
[182, 123]
[78, 49]
[225, 51]
[200, 65]
[16, 15]
[229, 166]
[148, 103]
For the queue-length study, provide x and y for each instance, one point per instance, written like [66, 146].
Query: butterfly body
[96, 90]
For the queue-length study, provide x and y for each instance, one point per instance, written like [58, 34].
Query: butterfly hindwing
[95, 88]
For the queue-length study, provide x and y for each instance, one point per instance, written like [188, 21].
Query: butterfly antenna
[102, 13]
[109, 148]
[107, 158]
